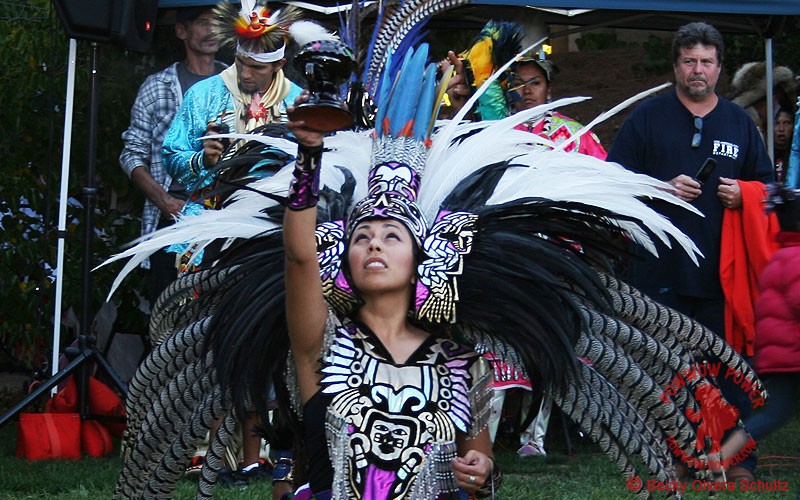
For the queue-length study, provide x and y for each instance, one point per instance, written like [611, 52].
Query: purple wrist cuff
[304, 189]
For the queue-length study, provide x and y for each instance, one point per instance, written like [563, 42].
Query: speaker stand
[86, 351]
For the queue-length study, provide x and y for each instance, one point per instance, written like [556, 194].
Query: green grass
[585, 474]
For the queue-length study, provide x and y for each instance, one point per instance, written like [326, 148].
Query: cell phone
[704, 173]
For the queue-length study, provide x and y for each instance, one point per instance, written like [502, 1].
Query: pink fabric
[378, 483]
[505, 375]
[562, 128]
[256, 110]
[778, 309]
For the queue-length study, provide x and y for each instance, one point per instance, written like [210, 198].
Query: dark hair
[186, 15]
[544, 65]
[785, 202]
[691, 34]
[417, 252]
[788, 110]
[789, 216]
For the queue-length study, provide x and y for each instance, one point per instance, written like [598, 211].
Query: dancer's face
[532, 86]
[256, 76]
[381, 256]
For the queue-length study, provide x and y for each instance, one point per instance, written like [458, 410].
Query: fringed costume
[391, 427]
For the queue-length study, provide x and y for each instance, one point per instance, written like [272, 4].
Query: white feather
[243, 216]
[248, 6]
[200, 230]
[304, 32]
[611, 112]
[561, 176]
[472, 153]
[282, 144]
[551, 174]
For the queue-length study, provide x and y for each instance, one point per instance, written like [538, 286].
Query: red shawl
[748, 242]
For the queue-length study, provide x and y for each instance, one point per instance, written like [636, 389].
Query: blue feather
[404, 105]
[415, 40]
[392, 102]
[413, 37]
[381, 97]
[422, 118]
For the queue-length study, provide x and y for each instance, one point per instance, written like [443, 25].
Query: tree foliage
[32, 90]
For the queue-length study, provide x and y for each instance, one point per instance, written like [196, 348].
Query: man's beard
[698, 92]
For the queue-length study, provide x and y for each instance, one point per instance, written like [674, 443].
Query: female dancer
[394, 400]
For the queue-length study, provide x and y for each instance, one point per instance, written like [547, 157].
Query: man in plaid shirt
[151, 115]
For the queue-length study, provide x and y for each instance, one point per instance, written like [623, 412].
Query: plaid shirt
[151, 114]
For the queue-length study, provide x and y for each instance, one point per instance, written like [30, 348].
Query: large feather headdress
[253, 30]
[401, 141]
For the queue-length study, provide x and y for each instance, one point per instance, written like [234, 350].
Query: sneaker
[262, 471]
[531, 449]
[227, 478]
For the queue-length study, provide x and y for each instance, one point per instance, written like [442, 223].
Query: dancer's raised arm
[306, 311]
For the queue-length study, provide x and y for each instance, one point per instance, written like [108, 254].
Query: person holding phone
[670, 137]
[151, 115]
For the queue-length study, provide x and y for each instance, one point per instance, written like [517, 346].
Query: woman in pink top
[531, 86]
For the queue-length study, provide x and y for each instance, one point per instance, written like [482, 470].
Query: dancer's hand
[212, 148]
[457, 88]
[472, 470]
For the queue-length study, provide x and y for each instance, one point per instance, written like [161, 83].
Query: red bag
[102, 399]
[95, 439]
[43, 436]
[65, 400]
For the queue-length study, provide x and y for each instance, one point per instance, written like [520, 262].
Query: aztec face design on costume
[390, 435]
[393, 414]
[331, 250]
[392, 190]
[394, 177]
[449, 241]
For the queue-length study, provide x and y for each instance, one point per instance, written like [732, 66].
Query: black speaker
[127, 23]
